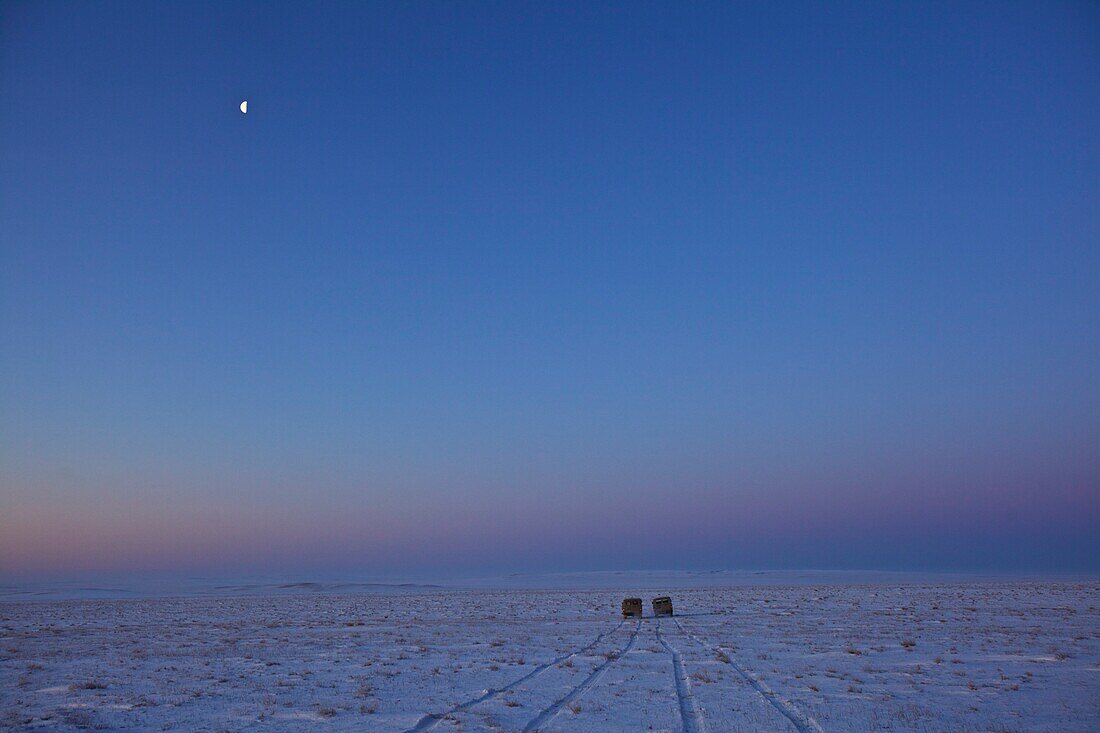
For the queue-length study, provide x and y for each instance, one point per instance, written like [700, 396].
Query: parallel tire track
[549, 713]
[690, 718]
[802, 722]
[431, 720]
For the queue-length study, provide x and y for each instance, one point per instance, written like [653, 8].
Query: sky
[497, 287]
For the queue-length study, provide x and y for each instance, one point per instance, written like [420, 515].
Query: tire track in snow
[690, 718]
[802, 722]
[431, 720]
[551, 712]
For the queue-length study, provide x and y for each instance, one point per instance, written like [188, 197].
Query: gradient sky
[480, 287]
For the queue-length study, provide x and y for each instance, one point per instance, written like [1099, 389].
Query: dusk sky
[492, 287]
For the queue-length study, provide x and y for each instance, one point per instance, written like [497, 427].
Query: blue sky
[510, 285]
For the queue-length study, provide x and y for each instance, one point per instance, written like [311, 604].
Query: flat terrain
[926, 657]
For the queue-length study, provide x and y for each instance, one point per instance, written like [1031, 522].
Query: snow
[960, 656]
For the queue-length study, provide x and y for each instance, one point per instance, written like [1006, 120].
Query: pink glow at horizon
[711, 527]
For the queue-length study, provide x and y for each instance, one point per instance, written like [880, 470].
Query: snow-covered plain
[990, 656]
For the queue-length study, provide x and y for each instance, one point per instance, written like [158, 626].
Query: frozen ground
[991, 656]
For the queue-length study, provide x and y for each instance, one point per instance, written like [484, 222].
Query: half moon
[244, 107]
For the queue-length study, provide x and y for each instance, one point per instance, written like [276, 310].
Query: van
[632, 608]
[662, 606]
